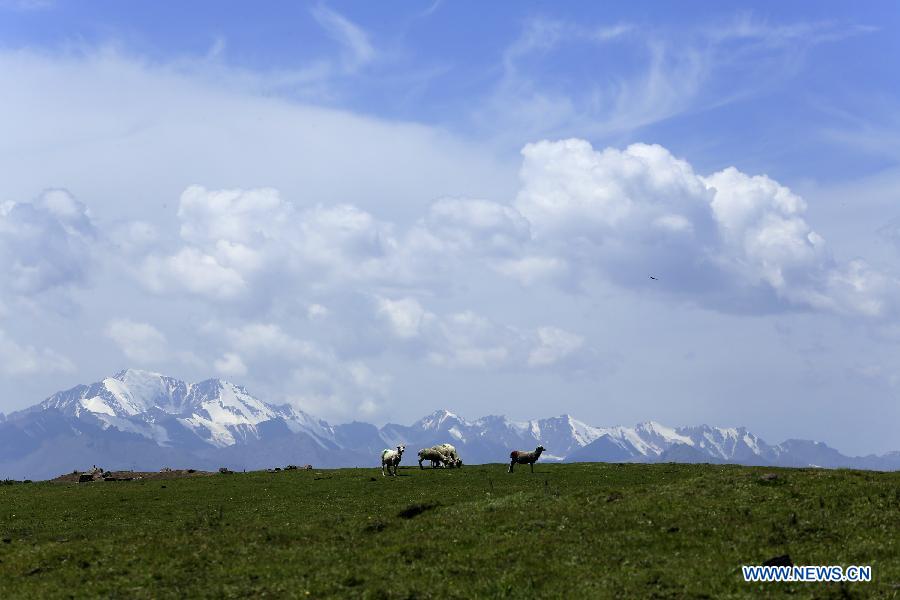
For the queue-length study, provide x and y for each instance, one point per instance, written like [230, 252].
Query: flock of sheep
[445, 455]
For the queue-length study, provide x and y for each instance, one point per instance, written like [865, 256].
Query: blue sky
[371, 211]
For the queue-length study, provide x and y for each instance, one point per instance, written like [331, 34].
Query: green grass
[566, 531]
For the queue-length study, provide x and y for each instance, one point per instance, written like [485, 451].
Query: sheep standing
[450, 452]
[434, 455]
[391, 458]
[524, 458]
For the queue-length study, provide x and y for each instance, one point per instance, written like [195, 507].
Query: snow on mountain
[125, 394]
[566, 438]
[143, 418]
[437, 420]
[149, 404]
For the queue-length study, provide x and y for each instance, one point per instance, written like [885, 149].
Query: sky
[621, 211]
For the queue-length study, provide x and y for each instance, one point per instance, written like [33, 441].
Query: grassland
[566, 531]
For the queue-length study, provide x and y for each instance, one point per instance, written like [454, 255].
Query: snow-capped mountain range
[145, 421]
[163, 409]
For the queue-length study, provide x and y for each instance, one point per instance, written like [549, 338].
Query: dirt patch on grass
[133, 475]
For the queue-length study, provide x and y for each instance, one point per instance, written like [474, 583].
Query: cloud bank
[728, 241]
[314, 295]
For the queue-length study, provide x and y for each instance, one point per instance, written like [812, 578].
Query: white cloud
[486, 228]
[359, 50]
[159, 127]
[240, 241]
[193, 271]
[45, 244]
[555, 345]
[729, 241]
[18, 359]
[134, 236]
[306, 373]
[357, 393]
[569, 188]
[239, 216]
[270, 341]
[404, 316]
[317, 312]
[530, 270]
[668, 73]
[140, 342]
[231, 365]
[469, 340]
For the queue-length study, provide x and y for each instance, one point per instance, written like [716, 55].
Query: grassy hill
[566, 531]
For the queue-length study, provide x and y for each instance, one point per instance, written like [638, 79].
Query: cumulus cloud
[240, 241]
[307, 373]
[230, 364]
[20, 359]
[469, 340]
[405, 317]
[354, 392]
[635, 209]
[554, 344]
[45, 244]
[133, 237]
[729, 241]
[140, 342]
[193, 271]
[271, 341]
[486, 228]
[530, 270]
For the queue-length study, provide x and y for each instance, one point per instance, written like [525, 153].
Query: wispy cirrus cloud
[632, 76]
[358, 50]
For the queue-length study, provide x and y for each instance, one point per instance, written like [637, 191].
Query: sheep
[391, 458]
[434, 455]
[522, 458]
[450, 452]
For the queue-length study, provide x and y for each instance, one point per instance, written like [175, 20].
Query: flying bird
[653, 278]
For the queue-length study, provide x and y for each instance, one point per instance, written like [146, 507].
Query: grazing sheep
[524, 458]
[433, 454]
[391, 458]
[450, 452]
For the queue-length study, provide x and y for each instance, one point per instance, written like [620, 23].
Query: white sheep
[449, 451]
[433, 454]
[391, 458]
[524, 458]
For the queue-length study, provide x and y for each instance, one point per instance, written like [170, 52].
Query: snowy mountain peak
[438, 419]
[163, 417]
[137, 374]
[163, 408]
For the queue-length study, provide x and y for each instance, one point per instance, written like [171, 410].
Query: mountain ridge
[146, 420]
